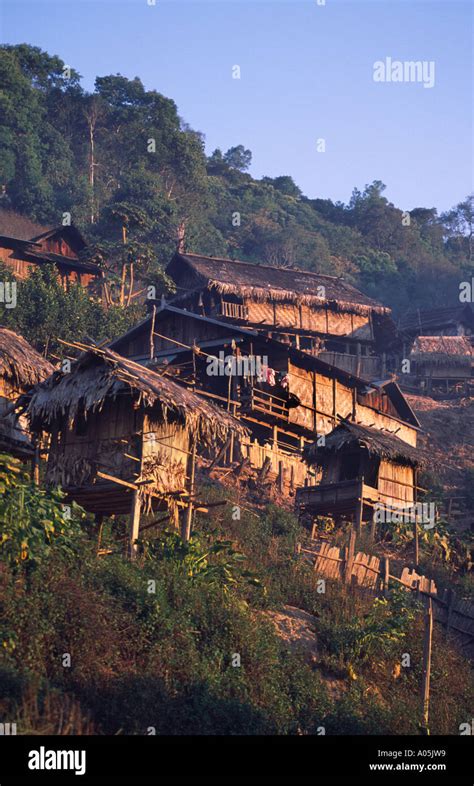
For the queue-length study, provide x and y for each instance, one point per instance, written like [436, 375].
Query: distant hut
[442, 321]
[21, 367]
[358, 467]
[124, 437]
[441, 364]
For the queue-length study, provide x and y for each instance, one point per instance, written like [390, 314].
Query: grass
[179, 642]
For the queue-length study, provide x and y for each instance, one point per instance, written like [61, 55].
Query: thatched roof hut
[117, 426]
[101, 374]
[446, 320]
[263, 283]
[377, 442]
[21, 366]
[442, 351]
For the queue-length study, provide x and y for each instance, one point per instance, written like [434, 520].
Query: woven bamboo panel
[366, 570]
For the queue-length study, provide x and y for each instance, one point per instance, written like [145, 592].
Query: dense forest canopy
[121, 160]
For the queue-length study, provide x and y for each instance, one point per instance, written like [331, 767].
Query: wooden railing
[234, 310]
[361, 365]
[262, 401]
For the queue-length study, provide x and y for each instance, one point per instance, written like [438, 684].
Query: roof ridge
[267, 267]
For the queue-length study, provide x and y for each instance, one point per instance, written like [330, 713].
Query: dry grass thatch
[264, 282]
[376, 442]
[21, 365]
[442, 351]
[101, 374]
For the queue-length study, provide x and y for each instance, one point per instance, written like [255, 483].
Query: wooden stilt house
[440, 365]
[359, 469]
[21, 367]
[122, 436]
[319, 314]
[284, 396]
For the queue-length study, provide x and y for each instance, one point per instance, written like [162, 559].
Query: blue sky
[306, 74]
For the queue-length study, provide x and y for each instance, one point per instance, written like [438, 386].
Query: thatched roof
[443, 351]
[264, 282]
[379, 443]
[13, 224]
[422, 321]
[20, 364]
[101, 374]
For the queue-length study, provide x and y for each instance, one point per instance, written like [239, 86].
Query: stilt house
[25, 245]
[322, 315]
[21, 367]
[284, 396]
[440, 365]
[360, 468]
[123, 435]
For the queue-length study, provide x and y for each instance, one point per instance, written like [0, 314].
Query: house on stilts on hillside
[441, 365]
[285, 397]
[319, 314]
[124, 438]
[21, 367]
[360, 471]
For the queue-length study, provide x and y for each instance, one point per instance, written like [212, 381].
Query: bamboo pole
[188, 513]
[425, 689]
[349, 557]
[135, 511]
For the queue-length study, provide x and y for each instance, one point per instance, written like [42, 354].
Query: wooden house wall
[112, 432]
[314, 319]
[311, 318]
[165, 452]
[57, 245]
[396, 482]
[260, 312]
[436, 371]
[20, 267]
[301, 383]
[292, 463]
[369, 417]
[100, 447]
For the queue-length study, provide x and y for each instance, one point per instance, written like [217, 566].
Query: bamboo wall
[396, 481]
[116, 430]
[312, 318]
[293, 464]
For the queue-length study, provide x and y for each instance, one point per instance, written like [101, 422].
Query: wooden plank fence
[373, 575]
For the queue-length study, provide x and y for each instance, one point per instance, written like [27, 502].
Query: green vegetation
[154, 643]
[127, 168]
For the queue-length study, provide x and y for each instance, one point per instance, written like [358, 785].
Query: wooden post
[152, 332]
[417, 554]
[373, 526]
[188, 518]
[359, 509]
[386, 576]
[35, 461]
[136, 502]
[134, 524]
[349, 557]
[99, 520]
[281, 477]
[425, 690]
